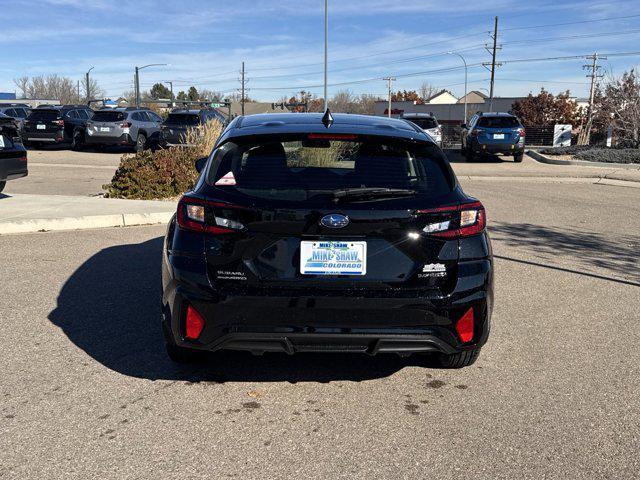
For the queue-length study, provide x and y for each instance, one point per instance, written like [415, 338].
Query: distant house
[443, 97]
[473, 97]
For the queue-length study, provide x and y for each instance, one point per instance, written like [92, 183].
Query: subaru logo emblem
[335, 220]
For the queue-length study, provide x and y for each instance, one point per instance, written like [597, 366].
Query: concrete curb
[84, 222]
[584, 163]
[595, 180]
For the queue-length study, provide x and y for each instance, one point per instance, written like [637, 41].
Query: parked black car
[58, 124]
[352, 238]
[13, 155]
[498, 133]
[18, 111]
[174, 128]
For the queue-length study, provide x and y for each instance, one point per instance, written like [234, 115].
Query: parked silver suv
[428, 123]
[136, 127]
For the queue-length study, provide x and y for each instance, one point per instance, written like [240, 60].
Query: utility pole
[78, 90]
[88, 84]
[170, 88]
[493, 63]
[137, 88]
[242, 89]
[594, 68]
[389, 81]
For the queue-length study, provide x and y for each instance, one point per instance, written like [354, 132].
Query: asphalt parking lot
[87, 391]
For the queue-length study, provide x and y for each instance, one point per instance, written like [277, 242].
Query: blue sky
[281, 42]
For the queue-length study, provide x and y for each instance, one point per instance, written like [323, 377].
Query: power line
[579, 22]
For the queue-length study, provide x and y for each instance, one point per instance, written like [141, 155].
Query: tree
[427, 91]
[547, 109]
[159, 90]
[94, 91]
[407, 96]
[182, 96]
[211, 95]
[619, 106]
[345, 101]
[23, 84]
[192, 94]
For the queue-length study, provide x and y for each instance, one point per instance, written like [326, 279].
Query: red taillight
[521, 132]
[59, 122]
[22, 159]
[464, 326]
[125, 125]
[193, 215]
[464, 220]
[194, 323]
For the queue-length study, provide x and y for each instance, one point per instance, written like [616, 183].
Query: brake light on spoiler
[209, 217]
[456, 221]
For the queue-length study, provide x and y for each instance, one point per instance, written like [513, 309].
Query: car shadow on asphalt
[110, 308]
[610, 257]
[454, 156]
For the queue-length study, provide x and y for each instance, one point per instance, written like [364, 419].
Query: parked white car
[426, 122]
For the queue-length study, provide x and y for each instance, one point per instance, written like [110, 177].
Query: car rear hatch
[174, 128]
[329, 215]
[43, 123]
[498, 130]
[107, 123]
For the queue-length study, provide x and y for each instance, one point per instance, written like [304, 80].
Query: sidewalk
[22, 213]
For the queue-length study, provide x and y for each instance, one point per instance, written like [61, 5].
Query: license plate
[498, 136]
[41, 127]
[104, 129]
[333, 258]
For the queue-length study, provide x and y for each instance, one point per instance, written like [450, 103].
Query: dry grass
[203, 137]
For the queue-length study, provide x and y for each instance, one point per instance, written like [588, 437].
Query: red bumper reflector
[464, 326]
[194, 323]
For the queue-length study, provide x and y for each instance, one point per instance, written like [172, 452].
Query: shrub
[623, 155]
[165, 173]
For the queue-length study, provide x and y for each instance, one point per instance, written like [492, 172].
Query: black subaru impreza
[308, 235]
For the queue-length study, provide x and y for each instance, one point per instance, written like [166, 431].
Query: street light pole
[137, 79]
[465, 83]
[88, 84]
[326, 51]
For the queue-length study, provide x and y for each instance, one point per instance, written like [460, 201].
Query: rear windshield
[44, 114]
[108, 116]
[498, 122]
[424, 123]
[301, 168]
[183, 119]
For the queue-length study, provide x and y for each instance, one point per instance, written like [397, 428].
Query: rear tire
[141, 142]
[470, 155]
[459, 360]
[77, 142]
[518, 157]
[2, 185]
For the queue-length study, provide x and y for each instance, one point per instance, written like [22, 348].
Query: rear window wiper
[370, 193]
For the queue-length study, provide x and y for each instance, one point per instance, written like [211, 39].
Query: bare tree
[619, 104]
[93, 92]
[426, 91]
[23, 84]
[211, 95]
[342, 101]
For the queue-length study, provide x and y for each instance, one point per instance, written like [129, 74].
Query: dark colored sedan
[13, 155]
[352, 238]
[174, 129]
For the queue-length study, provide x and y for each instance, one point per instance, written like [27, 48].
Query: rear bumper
[321, 321]
[49, 137]
[503, 148]
[124, 139]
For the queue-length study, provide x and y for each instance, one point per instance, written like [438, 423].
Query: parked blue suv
[494, 132]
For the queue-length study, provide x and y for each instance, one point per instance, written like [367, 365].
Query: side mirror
[200, 163]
